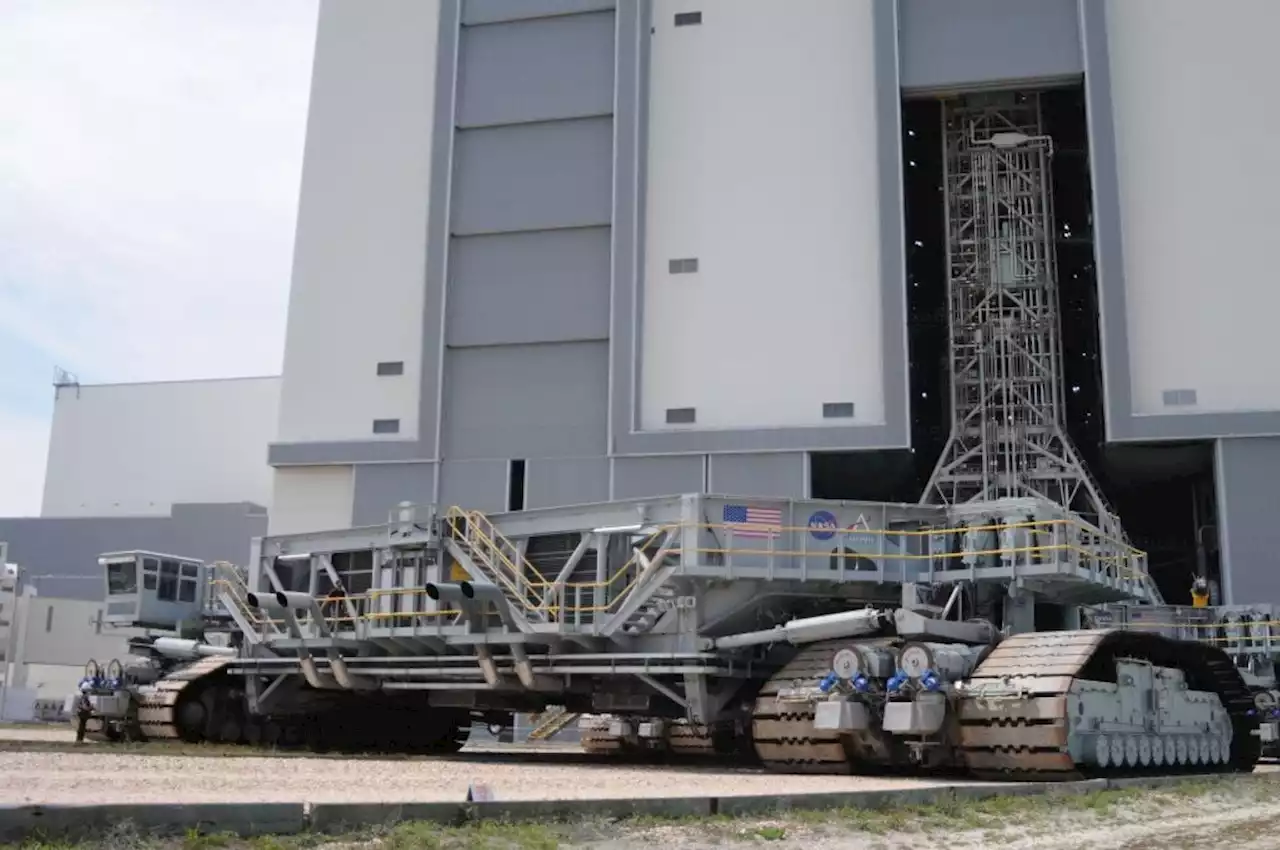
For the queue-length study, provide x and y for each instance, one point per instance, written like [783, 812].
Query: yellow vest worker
[1200, 593]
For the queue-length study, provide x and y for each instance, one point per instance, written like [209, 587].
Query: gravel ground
[116, 777]
[61, 777]
[104, 776]
[37, 733]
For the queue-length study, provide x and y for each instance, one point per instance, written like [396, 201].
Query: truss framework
[1008, 436]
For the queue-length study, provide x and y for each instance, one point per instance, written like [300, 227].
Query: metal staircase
[647, 614]
[480, 547]
[478, 544]
[231, 587]
[552, 722]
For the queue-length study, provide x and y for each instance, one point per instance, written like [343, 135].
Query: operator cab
[153, 590]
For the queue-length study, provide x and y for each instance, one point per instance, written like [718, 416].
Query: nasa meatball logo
[823, 525]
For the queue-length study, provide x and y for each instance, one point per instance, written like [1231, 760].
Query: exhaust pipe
[293, 601]
[446, 592]
[491, 594]
[465, 595]
[285, 604]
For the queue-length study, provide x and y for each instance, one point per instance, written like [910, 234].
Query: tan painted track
[683, 739]
[595, 738]
[1027, 738]
[1014, 740]
[156, 712]
[783, 733]
[688, 739]
[157, 703]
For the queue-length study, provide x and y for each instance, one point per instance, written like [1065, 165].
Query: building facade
[176, 467]
[45, 648]
[563, 251]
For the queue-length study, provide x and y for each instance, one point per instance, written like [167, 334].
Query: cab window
[168, 590]
[122, 578]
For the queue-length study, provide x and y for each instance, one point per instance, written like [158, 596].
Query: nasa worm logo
[822, 525]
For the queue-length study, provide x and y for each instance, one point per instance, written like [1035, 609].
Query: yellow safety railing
[529, 588]
[1113, 556]
[1121, 562]
[1246, 637]
[493, 550]
[238, 589]
[581, 602]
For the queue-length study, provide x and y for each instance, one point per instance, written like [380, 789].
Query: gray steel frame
[686, 577]
[1008, 435]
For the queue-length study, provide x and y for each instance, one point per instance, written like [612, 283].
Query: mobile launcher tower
[813, 636]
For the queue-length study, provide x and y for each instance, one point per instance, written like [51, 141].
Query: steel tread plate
[782, 732]
[1026, 735]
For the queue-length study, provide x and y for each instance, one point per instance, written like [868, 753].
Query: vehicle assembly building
[565, 251]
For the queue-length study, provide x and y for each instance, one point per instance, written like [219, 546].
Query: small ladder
[647, 614]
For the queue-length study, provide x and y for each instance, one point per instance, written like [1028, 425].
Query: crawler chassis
[670, 632]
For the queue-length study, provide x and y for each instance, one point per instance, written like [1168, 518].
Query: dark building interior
[1164, 493]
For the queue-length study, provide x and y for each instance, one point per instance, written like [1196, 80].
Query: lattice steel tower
[1008, 434]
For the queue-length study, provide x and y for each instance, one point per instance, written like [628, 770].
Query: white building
[44, 650]
[136, 450]
[171, 466]
[559, 251]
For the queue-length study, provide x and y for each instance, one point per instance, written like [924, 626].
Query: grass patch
[992, 819]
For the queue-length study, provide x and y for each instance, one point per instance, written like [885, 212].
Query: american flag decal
[746, 521]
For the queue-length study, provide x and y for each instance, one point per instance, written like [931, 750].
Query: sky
[150, 159]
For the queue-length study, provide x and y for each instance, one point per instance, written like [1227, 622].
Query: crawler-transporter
[812, 636]
[1002, 627]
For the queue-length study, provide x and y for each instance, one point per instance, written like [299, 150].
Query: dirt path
[1239, 814]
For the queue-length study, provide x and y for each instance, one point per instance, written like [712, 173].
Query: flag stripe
[748, 521]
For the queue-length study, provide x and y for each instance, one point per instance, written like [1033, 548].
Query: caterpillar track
[1024, 733]
[180, 706]
[1028, 738]
[173, 708]
[200, 703]
[680, 740]
[783, 733]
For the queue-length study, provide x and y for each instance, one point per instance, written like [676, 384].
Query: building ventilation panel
[1179, 398]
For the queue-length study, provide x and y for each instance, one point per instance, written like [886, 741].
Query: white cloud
[150, 156]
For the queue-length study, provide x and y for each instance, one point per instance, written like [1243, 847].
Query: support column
[1246, 471]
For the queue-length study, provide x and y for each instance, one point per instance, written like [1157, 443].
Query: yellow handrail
[528, 586]
[493, 541]
[473, 531]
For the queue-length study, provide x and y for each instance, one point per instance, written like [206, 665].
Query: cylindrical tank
[874, 662]
[951, 662]
[828, 626]
[172, 647]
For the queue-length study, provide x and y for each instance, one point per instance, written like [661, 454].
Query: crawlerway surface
[1237, 813]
